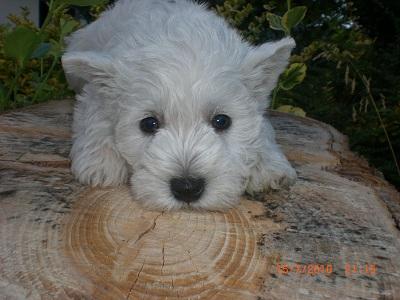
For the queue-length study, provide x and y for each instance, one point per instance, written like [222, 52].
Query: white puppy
[172, 99]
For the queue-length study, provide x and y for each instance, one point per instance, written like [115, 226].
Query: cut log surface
[334, 235]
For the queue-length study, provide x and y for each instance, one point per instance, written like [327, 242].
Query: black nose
[188, 189]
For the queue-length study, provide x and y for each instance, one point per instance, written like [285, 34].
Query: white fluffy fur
[182, 63]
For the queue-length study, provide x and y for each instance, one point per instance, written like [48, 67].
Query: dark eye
[221, 122]
[149, 125]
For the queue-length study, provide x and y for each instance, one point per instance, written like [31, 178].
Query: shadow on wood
[334, 235]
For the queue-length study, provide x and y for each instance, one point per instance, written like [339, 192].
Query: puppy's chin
[201, 205]
[216, 206]
[156, 202]
[154, 194]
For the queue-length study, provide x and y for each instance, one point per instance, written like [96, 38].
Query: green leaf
[292, 76]
[41, 50]
[293, 17]
[67, 26]
[20, 44]
[275, 22]
[79, 2]
[56, 48]
[297, 111]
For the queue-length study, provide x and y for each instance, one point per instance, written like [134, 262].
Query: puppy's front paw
[273, 177]
[282, 178]
[97, 166]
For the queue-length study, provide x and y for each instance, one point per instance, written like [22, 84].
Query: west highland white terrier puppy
[173, 99]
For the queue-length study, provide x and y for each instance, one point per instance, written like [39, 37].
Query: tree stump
[333, 235]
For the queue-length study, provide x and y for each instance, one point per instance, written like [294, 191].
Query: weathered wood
[61, 240]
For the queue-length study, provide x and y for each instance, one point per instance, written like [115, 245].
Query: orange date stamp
[326, 269]
[357, 269]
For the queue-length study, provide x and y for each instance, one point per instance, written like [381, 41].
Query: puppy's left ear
[82, 67]
[263, 65]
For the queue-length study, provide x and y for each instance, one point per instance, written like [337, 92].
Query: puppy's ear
[263, 65]
[84, 66]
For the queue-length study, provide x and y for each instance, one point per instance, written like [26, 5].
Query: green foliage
[30, 68]
[288, 21]
[297, 111]
[96, 10]
[237, 12]
[292, 76]
[59, 3]
[275, 22]
[20, 44]
[293, 17]
[352, 79]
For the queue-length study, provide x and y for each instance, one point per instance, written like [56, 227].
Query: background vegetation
[345, 70]
[352, 53]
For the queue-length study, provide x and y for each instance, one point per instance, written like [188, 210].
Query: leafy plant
[292, 76]
[351, 51]
[237, 11]
[296, 72]
[291, 18]
[26, 46]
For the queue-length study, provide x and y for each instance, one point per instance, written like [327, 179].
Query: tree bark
[333, 235]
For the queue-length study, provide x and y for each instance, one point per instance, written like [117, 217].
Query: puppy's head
[188, 123]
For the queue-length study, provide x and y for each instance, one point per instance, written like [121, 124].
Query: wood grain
[61, 240]
[139, 253]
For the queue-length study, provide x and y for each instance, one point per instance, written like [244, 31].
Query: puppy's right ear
[81, 67]
[263, 65]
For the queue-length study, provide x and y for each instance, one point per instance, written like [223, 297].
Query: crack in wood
[136, 280]
[149, 229]
[163, 258]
